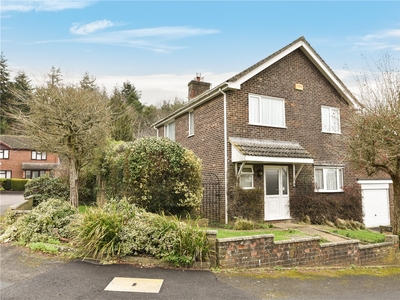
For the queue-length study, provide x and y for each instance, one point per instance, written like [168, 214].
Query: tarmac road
[8, 198]
[26, 275]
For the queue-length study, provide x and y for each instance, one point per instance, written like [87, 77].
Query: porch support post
[296, 175]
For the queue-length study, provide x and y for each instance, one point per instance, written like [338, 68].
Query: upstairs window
[330, 119]
[328, 179]
[169, 131]
[246, 177]
[191, 123]
[267, 111]
[36, 155]
[4, 154]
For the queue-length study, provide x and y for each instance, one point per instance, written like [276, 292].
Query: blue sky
[160, 45]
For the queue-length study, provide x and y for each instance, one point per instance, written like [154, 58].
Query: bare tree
[374, 142]
[69, 121]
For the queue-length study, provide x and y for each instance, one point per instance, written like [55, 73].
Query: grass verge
[365, 236]
[280, 235]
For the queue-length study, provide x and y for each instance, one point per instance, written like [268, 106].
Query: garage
[375, 195]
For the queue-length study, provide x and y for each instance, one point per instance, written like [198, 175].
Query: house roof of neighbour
[235, 81]
[16, 141]
[39, 166]
[268, 150]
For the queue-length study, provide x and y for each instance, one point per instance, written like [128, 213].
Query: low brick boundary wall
[262, 251]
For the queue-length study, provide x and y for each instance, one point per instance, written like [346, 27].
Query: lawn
[280, 235]
[366, 236]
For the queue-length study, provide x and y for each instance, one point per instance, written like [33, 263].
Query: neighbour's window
[268, 111]
[5, 174]
[36, 155]
[246, 177]
[29, 174]
[169, 131]
[328, 179]
[330, 119]
[191, 123]
[4, 154]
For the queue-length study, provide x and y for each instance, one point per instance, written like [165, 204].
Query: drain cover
[138, 285]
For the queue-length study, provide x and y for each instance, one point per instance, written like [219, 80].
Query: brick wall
[262, 251]
[17, 157]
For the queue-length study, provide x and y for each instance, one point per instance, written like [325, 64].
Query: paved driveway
[8, 198]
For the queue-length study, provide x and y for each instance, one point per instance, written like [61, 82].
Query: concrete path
[8, 198]
[312, 230]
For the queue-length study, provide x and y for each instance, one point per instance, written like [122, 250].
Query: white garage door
[375, 202]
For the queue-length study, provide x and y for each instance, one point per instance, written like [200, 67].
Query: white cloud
[90, 27]
[43, 5]
[383, 40]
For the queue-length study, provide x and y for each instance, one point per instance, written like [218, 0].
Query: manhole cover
[138, 285]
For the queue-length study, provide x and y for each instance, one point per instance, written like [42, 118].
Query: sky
[159, 46]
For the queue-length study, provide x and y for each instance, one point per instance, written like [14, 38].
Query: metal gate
[210, 206]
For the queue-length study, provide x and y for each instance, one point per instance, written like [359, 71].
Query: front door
[276, 193]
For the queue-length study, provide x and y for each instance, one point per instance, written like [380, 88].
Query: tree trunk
[73, 183]
[396, 206]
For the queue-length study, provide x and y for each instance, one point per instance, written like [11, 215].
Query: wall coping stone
[349, 242]
[384, 244]
[246, 238]
[298, 240]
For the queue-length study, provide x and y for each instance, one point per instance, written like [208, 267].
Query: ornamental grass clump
[48, 221]
[120, 228]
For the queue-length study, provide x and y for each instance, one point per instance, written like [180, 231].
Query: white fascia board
[277, 160]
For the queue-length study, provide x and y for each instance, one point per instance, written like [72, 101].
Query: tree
[54, 77]
[374, 142]
[5, 95]
[69, 121]
[88, 82]
[22, 85]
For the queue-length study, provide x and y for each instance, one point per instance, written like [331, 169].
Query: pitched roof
[235, 81]
[16, 141]
[39, 166]
[268, 150]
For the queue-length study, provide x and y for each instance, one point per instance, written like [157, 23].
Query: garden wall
[262, 251]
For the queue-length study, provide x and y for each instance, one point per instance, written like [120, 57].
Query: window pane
[272, 182]
[335, 120]
[35, 174]
[2, 174]
[246, 181]
[331, 179]
[191, 123]
[254, 110]
[325, 115]
[27, 174]
[319, 179]
[33, 154]
[276, 112]
[171, 133]
[284, 181]
[44, 155]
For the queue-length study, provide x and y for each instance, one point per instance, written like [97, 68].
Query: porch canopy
[246, 150]
[39, 166]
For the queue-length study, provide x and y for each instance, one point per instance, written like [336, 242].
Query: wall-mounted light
[260, 173]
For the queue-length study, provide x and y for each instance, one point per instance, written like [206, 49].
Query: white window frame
[38, 155]
[323, 187]
[330, 122]
[5, 174]
[249, 175]
[169, 131]
[191, 122]
[259, 111]
[4, 154]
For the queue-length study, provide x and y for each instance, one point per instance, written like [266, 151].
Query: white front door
[276, 193]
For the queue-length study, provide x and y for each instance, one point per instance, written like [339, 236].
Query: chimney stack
[197, 86]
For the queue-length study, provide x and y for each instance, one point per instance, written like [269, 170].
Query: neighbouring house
[19, 159]
[277, 125]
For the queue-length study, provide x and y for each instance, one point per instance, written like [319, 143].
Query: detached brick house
[278, 123]
[19, 160]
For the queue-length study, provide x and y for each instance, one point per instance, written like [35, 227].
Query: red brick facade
[19, 157]
[302, 114]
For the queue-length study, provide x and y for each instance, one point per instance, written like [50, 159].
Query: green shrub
[243, 224]
[46, 222]
[320, 207]
[155, 173]
[246, 204]
[18, 184]
[46, 187]
[6, 184]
